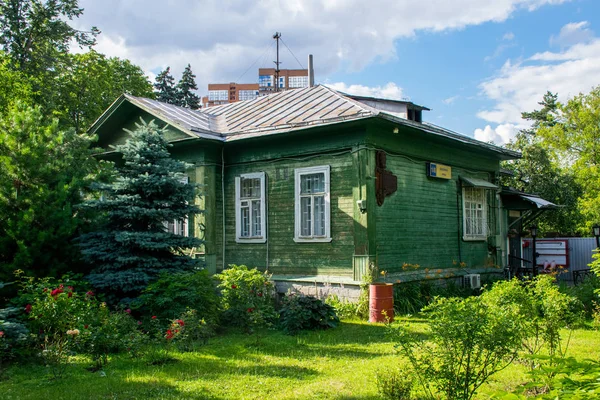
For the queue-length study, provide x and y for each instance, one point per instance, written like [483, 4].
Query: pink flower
[128, 311]
[139, 322]
[1, 333]
[28, 308]
[89, 293]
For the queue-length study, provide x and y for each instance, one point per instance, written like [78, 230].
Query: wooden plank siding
[421, 223]
[278, 158]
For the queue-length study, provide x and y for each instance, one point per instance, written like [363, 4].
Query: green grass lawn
[336, 364]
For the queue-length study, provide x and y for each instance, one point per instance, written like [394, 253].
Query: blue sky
[476, 64]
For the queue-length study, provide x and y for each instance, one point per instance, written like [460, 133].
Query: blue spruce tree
[134, 244]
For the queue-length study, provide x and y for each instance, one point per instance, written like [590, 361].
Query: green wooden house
[315, 186]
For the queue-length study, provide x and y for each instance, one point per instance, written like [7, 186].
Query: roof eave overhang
[501, 153]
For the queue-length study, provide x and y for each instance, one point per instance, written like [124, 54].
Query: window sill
[312, 240]
[474, 238]
[257, 240]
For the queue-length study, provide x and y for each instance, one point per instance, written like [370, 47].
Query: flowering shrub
[188, 331]
[306, 313]
[247, 297]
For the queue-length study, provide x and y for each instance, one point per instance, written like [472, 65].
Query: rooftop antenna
[276, 36]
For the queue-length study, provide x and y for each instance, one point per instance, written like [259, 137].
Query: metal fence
[580, 254]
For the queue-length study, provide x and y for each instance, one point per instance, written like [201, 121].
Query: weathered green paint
[419, 224]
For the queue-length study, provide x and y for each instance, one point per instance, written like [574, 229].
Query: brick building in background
[224, 93]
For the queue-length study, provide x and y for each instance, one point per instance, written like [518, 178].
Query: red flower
[85, 326]
[169, 334]
[233, 287]
[250, 310]
[128, 311]
[56, 292]
[180, 322]
[154, 317]
[70, 294]
[28, 308]
[260, 294]
[61, 286]
[89, 293]
[45, 290]
[1, 333]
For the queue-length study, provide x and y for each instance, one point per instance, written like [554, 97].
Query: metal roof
[279, 113]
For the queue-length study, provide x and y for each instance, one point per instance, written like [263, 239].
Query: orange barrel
[381, 302]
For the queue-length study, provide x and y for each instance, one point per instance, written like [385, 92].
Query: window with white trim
[312, 209]
[475, 225]
[250, 219]
[178, 226]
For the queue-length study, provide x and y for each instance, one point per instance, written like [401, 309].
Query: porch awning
[478, 183]
[539, 202]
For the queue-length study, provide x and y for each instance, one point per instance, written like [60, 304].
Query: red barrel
[381, 302]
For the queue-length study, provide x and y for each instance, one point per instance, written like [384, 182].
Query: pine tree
[133, 246]
[185, 96]
[165, 87]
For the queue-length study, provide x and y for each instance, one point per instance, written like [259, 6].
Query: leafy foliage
[132, 247]
[88, 83]
[43, 171]
[172, 294]
[247, 297]
[470, 340]
[14, 86]
[540, 172]
[300, 313]
[395, 384]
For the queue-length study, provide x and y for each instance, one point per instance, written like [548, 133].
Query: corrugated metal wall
[580, 254]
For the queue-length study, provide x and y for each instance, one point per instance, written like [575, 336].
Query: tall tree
[185, 96]
[164, 88]
[36, 35]
[90, 82]
[538, 171]
[576, 139]
[43, 170]
[134, 245]
[14, 86]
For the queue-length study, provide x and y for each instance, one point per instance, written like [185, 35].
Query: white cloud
[500, 135]
[573, 33]
[221, 39]
[389, 91]
[518, 87]
[508, 36]
[451, 100]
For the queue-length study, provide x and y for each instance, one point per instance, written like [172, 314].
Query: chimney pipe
[311, 71]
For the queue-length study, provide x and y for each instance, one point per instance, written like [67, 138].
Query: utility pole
[276, 36]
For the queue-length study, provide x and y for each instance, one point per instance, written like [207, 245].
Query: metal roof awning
[538, 202]
[478, 183]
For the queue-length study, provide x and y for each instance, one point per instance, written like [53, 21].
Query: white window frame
[238, 209]
[179, 225]
[484, 220]
[298, 238]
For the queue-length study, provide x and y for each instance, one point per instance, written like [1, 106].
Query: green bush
[247, 297]
[586, 292]
[306, 313]
[344, 309]
[188, 331]
[172, 294]
[470, 340]
[395, 384]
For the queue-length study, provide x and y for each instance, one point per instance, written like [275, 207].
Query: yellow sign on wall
[441, 171]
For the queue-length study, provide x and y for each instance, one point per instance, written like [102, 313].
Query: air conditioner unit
[472, 281]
